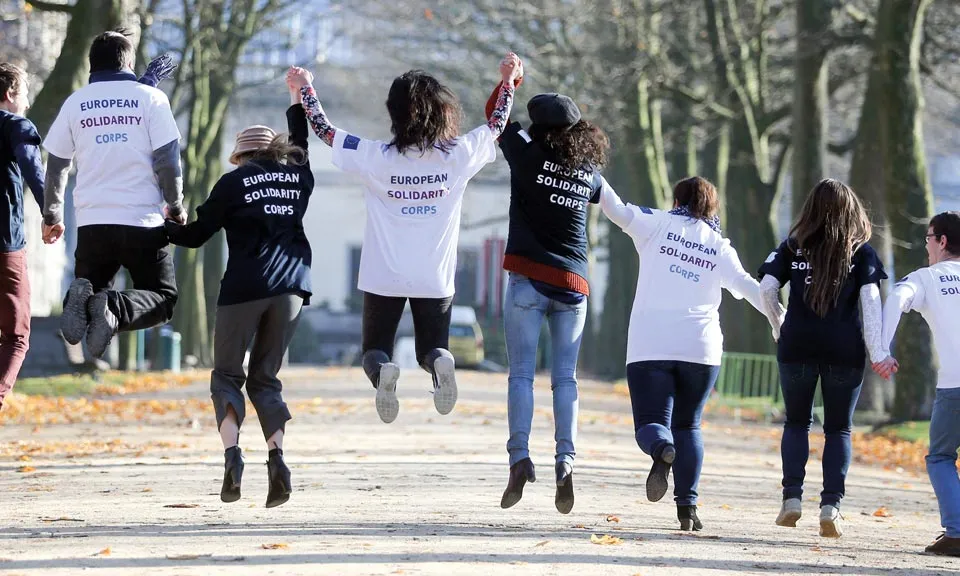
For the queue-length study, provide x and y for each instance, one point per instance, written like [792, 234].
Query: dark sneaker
[74, 320]
[387, 404]
[232, 474]
[564, 498]
[520, 473]
[103, 324]
[657, 479]
[278, 479]
[944, 546]
[445, 385]
[689, 521]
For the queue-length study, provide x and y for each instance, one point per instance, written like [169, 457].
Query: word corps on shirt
[115, 112]
[545, 178]
[803, 266]
[691, 262]
[954, 285]
[413, 199]
[269, 194]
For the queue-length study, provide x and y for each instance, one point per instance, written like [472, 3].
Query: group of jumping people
[129, 207]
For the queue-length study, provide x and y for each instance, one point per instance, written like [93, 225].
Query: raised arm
[613, 207]
[302, 80]
[510, 70]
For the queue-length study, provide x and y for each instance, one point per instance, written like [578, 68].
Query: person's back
[939, 305]
[112, 127]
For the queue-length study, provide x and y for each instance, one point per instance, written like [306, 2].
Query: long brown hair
[580, 146]
[699, 195]
[831, 227]
[279, 150]
[424, 114]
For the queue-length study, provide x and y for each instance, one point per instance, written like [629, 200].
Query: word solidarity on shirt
[273, 193]
[567, 181]
[950, 290]
[419, 195]
[803, 266]
[688, 258]
[114, 120]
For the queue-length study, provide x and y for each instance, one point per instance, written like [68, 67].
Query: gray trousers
[269, 324]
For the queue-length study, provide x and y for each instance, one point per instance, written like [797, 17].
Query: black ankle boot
[520, 473]
[232, 473]
[688, 518]
[564, 497]
[659, 472]
[278, 476]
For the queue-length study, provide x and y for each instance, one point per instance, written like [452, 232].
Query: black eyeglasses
[929, 236]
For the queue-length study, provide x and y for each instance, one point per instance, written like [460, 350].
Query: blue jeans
[668, 397]
[942, 460]
[523, 312]
[840, 386]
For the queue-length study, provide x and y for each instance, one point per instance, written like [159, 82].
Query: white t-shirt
[936, 296]
[113, 128]
[683, 266]
[413, 211]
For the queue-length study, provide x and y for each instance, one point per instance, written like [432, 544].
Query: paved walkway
[421, 496]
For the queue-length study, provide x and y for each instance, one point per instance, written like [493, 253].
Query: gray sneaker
[445, 385]
[74, 320]
[103, 324]
[387, 404]
[830, 522]
[790, 512]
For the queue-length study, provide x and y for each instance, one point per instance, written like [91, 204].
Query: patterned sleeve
[318, 120]
[501, 111]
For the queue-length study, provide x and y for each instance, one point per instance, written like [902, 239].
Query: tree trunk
[809, 98]
[88, 19]
[908, 193]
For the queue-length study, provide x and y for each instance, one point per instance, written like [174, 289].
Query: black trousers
[381, 318]
[103, 249]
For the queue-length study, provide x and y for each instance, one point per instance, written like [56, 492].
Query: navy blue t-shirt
[20, 164]
[805, 337]
[261, 206]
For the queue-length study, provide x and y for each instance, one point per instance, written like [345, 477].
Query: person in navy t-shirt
[261, 206]
[834, 276]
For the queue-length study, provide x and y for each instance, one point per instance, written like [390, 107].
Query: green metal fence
[755, 379]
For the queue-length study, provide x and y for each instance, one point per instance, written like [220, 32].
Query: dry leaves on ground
[104, 552]
[278, 546]
[25, 469]
[612, 518]
[541, 544]
[605, 540]
[882, 512]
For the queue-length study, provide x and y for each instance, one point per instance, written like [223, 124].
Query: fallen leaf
[612, 519]
[147, 490]
[104, 552]
[187, 556]
[817, 549]
[279, 546]
[605, 540]
[541, 544]
[25, 469]
[581, 526]
[725, 507]
[181, 506]
[882, 512]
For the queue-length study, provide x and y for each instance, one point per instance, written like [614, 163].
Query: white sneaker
[387, 404]
[790, 512]
[445, 391]
[830, 522]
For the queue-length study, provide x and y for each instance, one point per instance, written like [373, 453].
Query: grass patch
[70, 384]
[909, 431]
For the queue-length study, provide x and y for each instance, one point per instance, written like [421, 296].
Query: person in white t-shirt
[674, 342]
[934, 292]
[126, 144]
[414, 193]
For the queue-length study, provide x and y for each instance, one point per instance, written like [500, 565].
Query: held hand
[52, 233]
[298, 77]
[510, 68]
[180, 218]
[159, 69]
[887, 367]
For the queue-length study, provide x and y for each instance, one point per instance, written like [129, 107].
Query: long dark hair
[831, 227]
[583, 144]
[424, 114]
